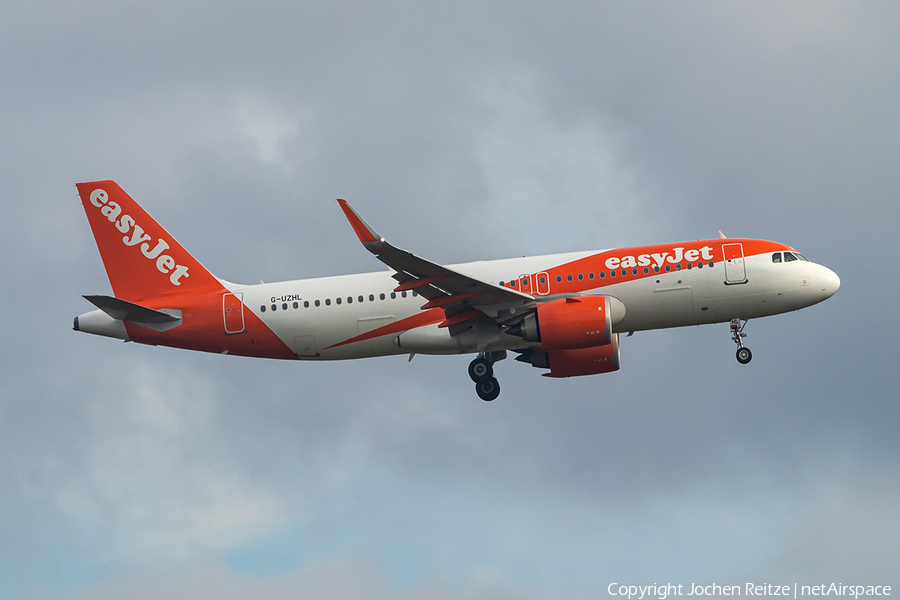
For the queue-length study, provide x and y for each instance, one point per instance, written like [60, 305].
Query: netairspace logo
[638, 592]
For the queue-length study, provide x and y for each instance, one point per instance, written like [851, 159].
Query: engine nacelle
[572, 323]
[575, 363]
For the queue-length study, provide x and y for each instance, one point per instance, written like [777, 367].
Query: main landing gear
[743, 353]
[481, 370]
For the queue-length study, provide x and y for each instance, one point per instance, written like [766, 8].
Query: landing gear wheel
[737, 336]
[480, 370]
[488, 389]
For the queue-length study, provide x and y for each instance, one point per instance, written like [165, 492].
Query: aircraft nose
[829, 282]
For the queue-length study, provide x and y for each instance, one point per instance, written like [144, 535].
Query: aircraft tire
[488, 389]
[744, 355]
[480, 370]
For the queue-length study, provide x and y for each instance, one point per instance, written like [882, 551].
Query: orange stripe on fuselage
[203, 329]
[435, 315]
[644, 257]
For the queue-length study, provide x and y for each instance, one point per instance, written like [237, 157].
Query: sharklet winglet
[363, 230]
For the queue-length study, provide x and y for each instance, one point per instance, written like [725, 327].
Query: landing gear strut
[481, 371]
[743, 353]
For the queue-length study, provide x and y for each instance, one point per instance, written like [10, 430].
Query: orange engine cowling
[575, 363]
[572, 323]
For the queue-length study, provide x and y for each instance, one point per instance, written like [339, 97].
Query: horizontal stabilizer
[122, 310]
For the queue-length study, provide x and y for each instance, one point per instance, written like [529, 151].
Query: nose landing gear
[743, 353]
[481, 371]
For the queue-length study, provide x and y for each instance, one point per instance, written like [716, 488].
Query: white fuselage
[314, 316]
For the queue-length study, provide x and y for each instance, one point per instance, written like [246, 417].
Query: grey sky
[462, 131]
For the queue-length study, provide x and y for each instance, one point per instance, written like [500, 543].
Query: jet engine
[571, 323]
[574, 363]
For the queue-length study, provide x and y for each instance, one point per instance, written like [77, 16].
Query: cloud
[468, 132]
[350, 576]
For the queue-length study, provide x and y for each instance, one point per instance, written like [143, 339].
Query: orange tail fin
[141, 258]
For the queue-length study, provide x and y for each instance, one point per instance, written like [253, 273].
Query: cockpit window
[801, 257]
[788, 257]
[776, 258]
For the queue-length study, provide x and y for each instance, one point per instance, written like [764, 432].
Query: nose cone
[828, 282]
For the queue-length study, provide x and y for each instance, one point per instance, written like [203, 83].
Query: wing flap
[415, 283]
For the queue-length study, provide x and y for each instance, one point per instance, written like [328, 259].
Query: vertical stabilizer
[142, 260]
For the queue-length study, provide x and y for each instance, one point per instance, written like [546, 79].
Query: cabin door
[233, 313]
[735, 272]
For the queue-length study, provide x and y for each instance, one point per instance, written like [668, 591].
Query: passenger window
[668, 268]
[612, 273]
[634, 271]
[624, 272]
[646, 270]
[591, 275]
[338, 300]
[327, 301]
[543, 280]
[524, 283]
[403, 294]
[512, 284]
[318, 303]
[262, 308]
[776, 258]
[788, 257]
[568, 278]
[393, 295]
[559, 279]
[381, 296]
[602, 274]
[581, 277]
[306, 304]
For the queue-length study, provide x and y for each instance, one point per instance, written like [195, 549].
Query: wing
[463, 298]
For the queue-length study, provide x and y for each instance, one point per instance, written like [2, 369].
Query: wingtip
[364, 232]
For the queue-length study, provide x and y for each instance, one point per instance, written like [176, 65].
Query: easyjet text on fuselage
[673, 256]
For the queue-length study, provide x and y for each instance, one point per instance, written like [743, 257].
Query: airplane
[561, 312]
